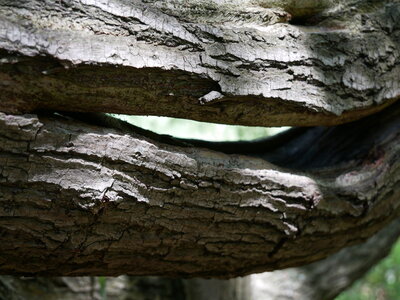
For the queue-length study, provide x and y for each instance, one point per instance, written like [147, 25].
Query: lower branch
[322, 280]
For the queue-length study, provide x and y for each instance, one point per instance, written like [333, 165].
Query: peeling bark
[79, 199]
[233, 62]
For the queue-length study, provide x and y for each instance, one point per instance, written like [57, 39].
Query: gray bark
[103, 198]
[80, 199]
[324, 279]
[234, 62]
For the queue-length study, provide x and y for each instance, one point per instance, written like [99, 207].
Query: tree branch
[233, 62]
[311, 282]
[79, 199]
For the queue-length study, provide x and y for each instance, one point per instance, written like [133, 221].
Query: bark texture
[322, 280]
[80, 199]
[230, 61]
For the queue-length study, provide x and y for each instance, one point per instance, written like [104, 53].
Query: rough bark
[234, 62]
[322, 280]
[79, 199]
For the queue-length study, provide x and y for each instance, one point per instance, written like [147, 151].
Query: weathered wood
[79, 199]
[234, 62]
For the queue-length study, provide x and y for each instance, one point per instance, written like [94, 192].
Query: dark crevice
[306, 20]
[297, 148]
[277, 247]
[318, 147]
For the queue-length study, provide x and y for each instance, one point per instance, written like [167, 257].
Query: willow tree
[83, 194]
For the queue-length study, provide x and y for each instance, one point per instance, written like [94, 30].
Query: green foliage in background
[381, 283]
[103, 287]
[199, 130]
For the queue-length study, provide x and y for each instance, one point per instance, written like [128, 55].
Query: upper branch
[231, 61]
